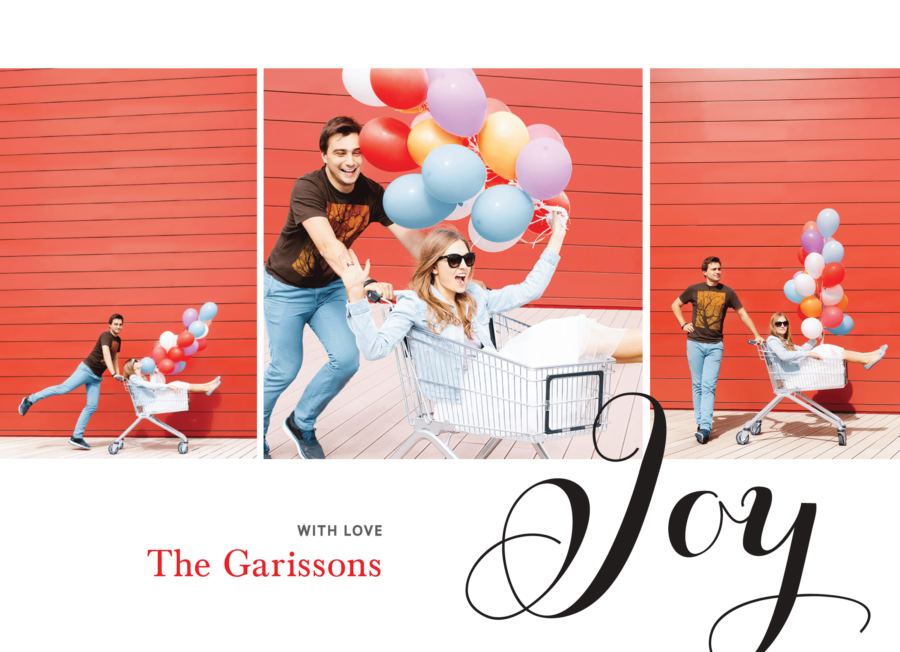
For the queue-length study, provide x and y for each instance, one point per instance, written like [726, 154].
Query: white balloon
[167, 340]
[463, 210]
[811, 328]
[487, 245]
[805, 285]
[833, 295]
[425, 115]
[359, 85]
[815, 265]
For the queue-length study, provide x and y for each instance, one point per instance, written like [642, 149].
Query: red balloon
[544, 131]
[496, 105]
[176, 354]
[832, 317]
[538, 223]
[802, 256]
[185, 339]
[202, 345]
[400, 88]
[833, 274]
[158, 354]
[800, 313]
[166, 367]
[810, 225]
[383, 142]
[186, 358]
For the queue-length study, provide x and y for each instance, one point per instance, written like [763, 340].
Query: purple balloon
[796, 274]
[457, 103]
[189, 317]
[434, 73]
[192, 349]
[812, 241]
[543, 168]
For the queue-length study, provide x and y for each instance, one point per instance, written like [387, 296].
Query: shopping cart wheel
[743, 437]
[121, 444]
[113, 449]
[756, 428]
[182, 447]
[842, 440]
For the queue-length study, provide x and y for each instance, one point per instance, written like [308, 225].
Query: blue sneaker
[307, 445]
[702, 436]
[80, 443]
[24, 405]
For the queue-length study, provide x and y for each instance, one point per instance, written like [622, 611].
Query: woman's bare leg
[631, 348]
[205, 387]
[861, 358]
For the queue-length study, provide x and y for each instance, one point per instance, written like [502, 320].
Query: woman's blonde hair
[439, 313]
[786, 340]
[128, 370]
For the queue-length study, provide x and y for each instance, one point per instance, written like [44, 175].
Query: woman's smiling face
[449, 280]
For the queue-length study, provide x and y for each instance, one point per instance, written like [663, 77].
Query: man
[329, 209]
[89, 373]
[705, 347]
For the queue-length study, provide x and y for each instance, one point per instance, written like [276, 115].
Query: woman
[133, 373]
[782, 345]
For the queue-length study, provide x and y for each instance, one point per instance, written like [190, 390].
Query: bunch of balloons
[818, 288]
[477, 157]
[172, 352]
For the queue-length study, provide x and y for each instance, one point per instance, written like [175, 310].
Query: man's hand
[119, 377]
[759, 339]
[688, 327]
[353, 277]
[386, 290]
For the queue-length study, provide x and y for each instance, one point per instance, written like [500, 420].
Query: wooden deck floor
[367, 420]
[135, 448]
[785, 436]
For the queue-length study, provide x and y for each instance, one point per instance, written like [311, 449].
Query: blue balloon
[502, 213]
[827, 222]
[453, 173]
[845, 327]
[409, 204]
[196, 328]
[208, 311]
[833, 252]
[791, 293]
[147, 365]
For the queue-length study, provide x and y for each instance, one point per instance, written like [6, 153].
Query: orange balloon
[428, 136]
[415, 109]
[842, 304]
[809, 225]
[811, 307]
[500, 140]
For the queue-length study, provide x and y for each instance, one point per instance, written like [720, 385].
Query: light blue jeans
[288, 310]
[82, 376]
[705, 360]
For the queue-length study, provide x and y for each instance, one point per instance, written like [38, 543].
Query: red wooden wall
[740, 160]
[129, 191]
[598, 113]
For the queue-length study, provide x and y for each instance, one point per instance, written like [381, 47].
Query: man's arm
[411, 239]
[333, 250]
[676, 308]
[107, 358]
[750, 325]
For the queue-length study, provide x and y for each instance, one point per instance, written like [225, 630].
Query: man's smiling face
[343, 161]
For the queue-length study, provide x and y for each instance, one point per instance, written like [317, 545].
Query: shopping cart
[449, 387]
[790, 380]
[147, 404]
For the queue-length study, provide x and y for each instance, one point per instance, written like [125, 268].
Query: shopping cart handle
[751, 341]
[374, 297]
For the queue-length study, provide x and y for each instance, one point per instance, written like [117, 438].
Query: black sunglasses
[455, 259]
[781, 323]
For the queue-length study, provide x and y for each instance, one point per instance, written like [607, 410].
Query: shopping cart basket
[790, 380]
[147, 404]
[449, 387]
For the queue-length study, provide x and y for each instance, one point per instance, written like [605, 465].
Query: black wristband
[683, 325]
[371, 280]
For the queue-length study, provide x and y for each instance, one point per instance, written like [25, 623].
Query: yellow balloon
[427, 136]
[500, 140]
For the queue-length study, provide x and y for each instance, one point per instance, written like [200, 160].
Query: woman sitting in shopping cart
[133, 373]
[443, 299]
[789, 355]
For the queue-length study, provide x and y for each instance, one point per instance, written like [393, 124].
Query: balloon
[434, 73]
[201, 343]
[189, 317]
[426, 137]
[495, 105]
[453, 173]
[842, 304]
[383, 142]
[828, 222]
[192, 349]
[457, 102]
[502, 213]
[204, 333]
[494, 179]
[796, 274]
[814, 265]
[832, 317]
[424, 115]
[543, 168]
[168, 339]
[809, 225]
[159, 353]
[802, 255]
[544, 131]
[811, 328]
[833, 274]
[811, 307]
[812, 241]
[166, 367]
[208, 311]
[539, 222]
[805, 285]
[833, 295]
[791, 293]
[409, 204]
[500, 141]
[800, 313]
[486, 245]
[358, 83]
[464, 209]
[197, 328]
[185, 339]
[176, 353]
[148, 365]
[833, 252]
[186, 359]
[400, 88]
[179, 367]
[845, 327]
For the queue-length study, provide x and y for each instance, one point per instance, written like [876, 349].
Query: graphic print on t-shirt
[347, 222]
[113, 348]
[710, 310]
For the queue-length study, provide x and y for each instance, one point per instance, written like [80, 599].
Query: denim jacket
[787, 362]
[445, 370]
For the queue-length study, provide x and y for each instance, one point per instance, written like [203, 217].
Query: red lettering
[331, 567]
[159, 570]
[244, 567]
[375, 567]
[304, 567]
[319, 568]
